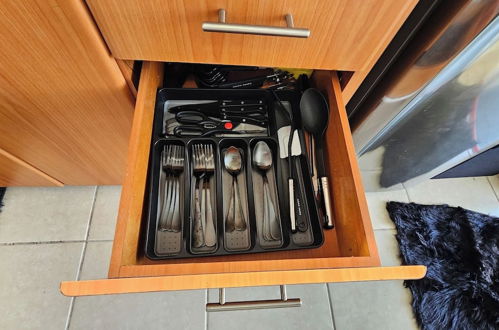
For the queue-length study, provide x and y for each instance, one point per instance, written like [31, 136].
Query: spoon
[262, 159]
[235, 216]
[314, 112]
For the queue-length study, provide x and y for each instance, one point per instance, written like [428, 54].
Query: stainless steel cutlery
[172, 162]
[224, 194]
[203, 164]
[262, 159]
[202, 155]
[235, 219]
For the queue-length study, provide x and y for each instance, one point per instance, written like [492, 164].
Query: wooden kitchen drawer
[347, 35]
[349, 252]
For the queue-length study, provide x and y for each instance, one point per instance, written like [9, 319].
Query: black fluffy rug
[461, 250]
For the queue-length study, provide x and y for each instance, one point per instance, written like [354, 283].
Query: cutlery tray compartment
[257, 235]
[261, 201]
[203, 215]
[237, 233]
[169, 241]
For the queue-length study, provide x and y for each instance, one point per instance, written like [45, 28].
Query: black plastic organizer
[180, 245]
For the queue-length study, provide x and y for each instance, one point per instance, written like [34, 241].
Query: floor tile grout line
[87, 233]
[407, 193]
[82, 257]
[493, 190]
[330, 305]
[383, 229]
[70, 312]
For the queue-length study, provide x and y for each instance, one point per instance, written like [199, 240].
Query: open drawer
[348, 254]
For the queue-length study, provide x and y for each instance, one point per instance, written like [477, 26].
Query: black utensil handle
[249, 83]
[247, 120]
[301, 208]
[209, 109]
[186, 130]
[292, 218]
[311, 154]
[193, 117]
[242, 115]
[181, 131]
[256, 113]
[242, 103]
[319, 157]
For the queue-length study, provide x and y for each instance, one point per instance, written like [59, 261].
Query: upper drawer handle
[289, 31]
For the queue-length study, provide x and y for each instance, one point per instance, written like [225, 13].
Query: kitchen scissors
[198, 124]
[248, 112]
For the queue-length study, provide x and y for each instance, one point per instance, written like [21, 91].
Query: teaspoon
[262, 159]
[235, 216]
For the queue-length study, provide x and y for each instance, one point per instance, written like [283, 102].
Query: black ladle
[314, 112]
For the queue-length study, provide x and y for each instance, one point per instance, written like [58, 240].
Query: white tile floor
[52, 234]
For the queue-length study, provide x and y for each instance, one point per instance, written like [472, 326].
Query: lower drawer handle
[222, 305]
[222, 26]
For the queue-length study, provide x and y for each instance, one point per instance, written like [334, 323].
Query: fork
[209, 230]
[173, 164]
[198, 165]
[177, 168]
[166, 163]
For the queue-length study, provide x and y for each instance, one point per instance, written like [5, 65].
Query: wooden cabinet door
[65, 107]
[344, 34]
[15, 172]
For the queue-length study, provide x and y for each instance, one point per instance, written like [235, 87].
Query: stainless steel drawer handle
[222, 26]
[222, 305]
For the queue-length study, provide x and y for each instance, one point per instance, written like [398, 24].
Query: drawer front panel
[344, 34]
[169, 283]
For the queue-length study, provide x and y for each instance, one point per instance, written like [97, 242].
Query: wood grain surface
[169, 283]
[345, 34]
[351, 244]
[65, 107]
[355, 233]
[16, 172]
[132, 193]
[126, 67]
[347, 254]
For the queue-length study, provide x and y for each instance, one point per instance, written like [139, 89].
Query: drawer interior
[164, 244]
[350, 244]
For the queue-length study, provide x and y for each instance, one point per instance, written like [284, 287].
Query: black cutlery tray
[180, 244]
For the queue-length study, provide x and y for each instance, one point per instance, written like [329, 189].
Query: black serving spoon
[314, 112]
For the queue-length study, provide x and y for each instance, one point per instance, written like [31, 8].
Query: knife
[253, 120]
[214, 108]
